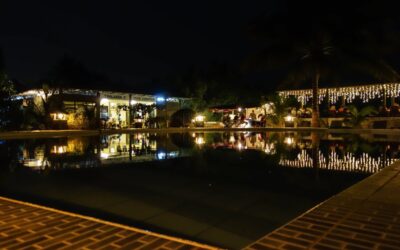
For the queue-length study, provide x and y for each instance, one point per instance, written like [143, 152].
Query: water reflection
[318, 151]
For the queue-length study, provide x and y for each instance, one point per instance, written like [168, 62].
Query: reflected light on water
[270, 149]
[200, 140]
[291, 150]
[289, 141]
[348, 162]
[59, 149]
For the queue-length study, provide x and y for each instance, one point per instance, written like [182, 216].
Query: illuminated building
[78, 108]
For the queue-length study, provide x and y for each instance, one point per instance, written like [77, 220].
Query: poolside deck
[28, 226]
[365, 216]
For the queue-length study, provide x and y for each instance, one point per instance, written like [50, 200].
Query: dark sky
[133, 41]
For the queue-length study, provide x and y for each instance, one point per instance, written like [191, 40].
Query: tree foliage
[357, 117]
[313, 44]
[352, 37]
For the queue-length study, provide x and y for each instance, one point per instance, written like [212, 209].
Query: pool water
[224, 189]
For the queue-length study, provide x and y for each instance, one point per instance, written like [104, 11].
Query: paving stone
[365, 216]
[27, 226]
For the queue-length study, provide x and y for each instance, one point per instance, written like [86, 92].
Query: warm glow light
[59, 116]
[199, 140]
[133, 102]
[364, 92]
[289, 118]
[199, 118]
[104, 155]
[104, 101]
[240, 109]
[289, 140]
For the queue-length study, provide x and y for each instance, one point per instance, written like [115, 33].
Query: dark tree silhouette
[310, 43]
[1, 61]
[69, 72]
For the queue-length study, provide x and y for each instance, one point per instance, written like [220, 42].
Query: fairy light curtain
[365, 93]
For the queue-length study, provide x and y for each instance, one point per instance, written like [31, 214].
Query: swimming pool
[225, 189]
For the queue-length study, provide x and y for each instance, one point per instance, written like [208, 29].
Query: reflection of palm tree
[315, 154]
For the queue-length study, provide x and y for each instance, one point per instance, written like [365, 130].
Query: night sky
[133, 42]
[142, 45]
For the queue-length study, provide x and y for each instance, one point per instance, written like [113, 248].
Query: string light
[364, 92]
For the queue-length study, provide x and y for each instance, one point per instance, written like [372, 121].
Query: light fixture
[289, 118]
[160, 99]
[289, 140]
[59, 116]
[199, 118]
[104, 155]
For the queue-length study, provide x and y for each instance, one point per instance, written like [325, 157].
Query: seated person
[341, 111]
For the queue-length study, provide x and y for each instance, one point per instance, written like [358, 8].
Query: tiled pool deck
[27, 226]
[365, 216]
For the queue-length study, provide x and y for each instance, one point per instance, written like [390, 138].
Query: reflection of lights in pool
[161, 155]
[348, 162]
[173, 154]
[289, 118]
[200, 140]
[104, 155]
[270, 149]
[33, 163]
[59, 149]
[289, 140]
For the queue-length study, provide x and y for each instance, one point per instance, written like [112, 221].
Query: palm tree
[358, 116]
[280, 108]
[309, 44]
